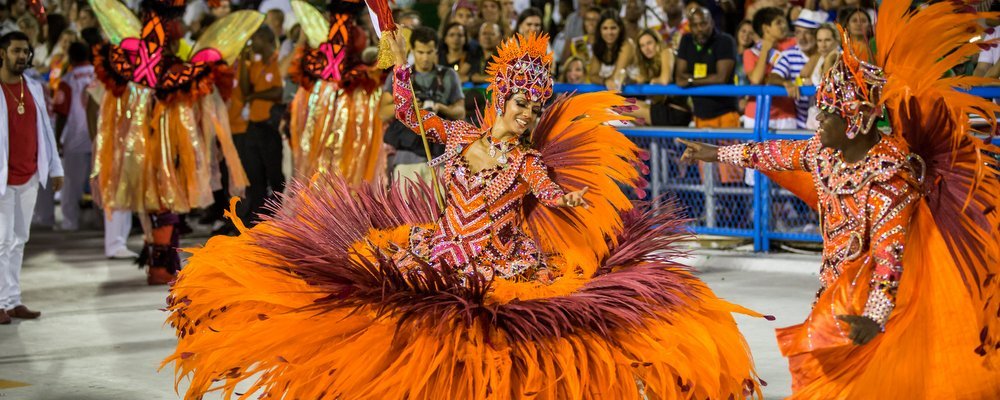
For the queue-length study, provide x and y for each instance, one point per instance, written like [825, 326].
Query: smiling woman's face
[519, 114]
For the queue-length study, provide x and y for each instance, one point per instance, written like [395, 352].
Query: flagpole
[438, 194]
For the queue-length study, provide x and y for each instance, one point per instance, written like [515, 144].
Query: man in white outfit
[28, 159]
[71, 120]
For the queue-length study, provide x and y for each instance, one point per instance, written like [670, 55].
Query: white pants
[17, 205]
[77, 167]
[116, 229]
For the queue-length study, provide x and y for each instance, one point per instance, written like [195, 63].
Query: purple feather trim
[319, 223]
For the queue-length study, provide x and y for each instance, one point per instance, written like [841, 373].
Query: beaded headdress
[522, 64]
[852, 89]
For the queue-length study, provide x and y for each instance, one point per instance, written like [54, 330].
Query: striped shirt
[788, 67]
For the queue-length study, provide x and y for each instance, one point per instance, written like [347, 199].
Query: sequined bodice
[482, 213]
[481, 225]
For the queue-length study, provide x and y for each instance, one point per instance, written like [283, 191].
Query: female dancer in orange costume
[539, 278]
[334, 116]
[160, 118]
[908, 304]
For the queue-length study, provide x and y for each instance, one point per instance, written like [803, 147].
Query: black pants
[260, 153]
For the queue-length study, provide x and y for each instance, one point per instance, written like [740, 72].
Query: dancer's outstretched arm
[773, 155]
[547, 191]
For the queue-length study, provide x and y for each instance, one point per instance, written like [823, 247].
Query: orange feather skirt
[928, 349]
[309, 305]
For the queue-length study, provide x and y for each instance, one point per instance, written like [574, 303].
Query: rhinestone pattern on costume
[864, 207]
[481, 226]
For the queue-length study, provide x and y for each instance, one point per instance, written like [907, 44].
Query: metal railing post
[761, 124]
[654, 169]
[708, 182]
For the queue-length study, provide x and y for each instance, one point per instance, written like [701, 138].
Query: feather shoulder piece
[916, 48]
[582, 150]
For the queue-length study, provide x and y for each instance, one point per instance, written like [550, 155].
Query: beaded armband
[879, 305]
[403, 72]
[734, 155]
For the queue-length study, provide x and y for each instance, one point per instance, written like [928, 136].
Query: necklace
[503, 148]
[20, 101]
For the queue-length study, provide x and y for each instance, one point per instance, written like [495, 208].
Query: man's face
[15, 56]
[410, 21]
[701, 27]
[222, 10]
[18, 8]
[425, 55]
[777, 30]
[86, 20]
[590, 20]
[832, 130]
[275, 20]
[673, 8]
[489, 35]
[806, 38]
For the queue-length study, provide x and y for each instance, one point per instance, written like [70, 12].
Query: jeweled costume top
[482, 223]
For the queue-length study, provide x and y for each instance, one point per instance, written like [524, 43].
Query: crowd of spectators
[607, 42]
[614, 43]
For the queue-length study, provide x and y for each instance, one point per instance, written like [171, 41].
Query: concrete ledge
[715, 260]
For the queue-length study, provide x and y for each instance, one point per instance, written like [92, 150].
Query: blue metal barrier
[768, 217]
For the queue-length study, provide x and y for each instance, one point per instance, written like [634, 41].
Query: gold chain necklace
[20, 101]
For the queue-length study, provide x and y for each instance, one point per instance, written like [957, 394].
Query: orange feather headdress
[522, 64]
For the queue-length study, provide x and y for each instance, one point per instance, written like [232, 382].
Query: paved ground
[102, 335]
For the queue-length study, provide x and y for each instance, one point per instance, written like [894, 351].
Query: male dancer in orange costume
[907, 307]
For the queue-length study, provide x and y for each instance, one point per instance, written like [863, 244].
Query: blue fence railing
[718, 203]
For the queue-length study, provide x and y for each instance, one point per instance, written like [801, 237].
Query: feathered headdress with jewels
[852, 89]
[522, 64]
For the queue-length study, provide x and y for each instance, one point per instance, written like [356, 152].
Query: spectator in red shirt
[28, 158]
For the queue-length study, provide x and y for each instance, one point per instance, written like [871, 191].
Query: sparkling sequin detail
[864, 207]
[481, 226]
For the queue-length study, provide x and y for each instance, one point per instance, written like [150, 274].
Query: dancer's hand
[397, 46]
[57, 183]
[545, 276]
[575, 199]
[863, 329]
[698, 151]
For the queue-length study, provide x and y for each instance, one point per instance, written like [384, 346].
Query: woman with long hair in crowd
[655, 61]
[573, 71]
[456, 53]
[745, 39]
[860, 29]
[827, 52]
[530, 21]
[54, 26]
[613, 52]
[490, 11]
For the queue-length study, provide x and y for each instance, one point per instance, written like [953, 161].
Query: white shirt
[76, 133]
[991, 55]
